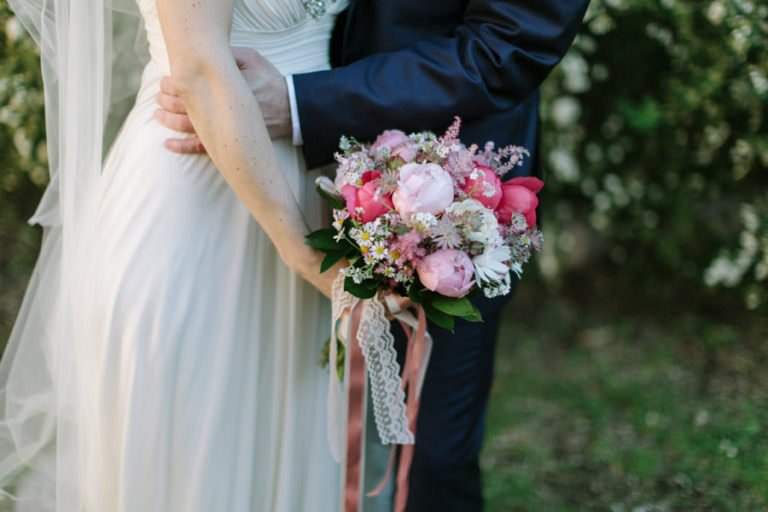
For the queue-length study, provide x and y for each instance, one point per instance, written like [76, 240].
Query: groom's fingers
[177, 122]
[168, 86]
[191, 145]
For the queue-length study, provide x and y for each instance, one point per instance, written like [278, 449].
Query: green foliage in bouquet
[441, 310]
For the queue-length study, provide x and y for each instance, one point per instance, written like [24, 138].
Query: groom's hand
[269, 89]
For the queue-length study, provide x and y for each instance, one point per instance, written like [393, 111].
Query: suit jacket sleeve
[496, 58]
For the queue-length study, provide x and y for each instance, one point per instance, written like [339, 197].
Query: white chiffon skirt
[192, 384]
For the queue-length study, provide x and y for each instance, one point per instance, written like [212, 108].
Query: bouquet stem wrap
[363, 327]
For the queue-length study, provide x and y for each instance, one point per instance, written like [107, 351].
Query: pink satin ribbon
[354, 469]
[410, 379]
[411, 376]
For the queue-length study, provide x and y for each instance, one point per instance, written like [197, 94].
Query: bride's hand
[265, 81]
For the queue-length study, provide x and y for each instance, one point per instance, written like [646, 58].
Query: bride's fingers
[171, 103]
[187, 146]
[177, 122]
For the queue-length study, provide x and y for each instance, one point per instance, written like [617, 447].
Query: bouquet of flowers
[429, 218]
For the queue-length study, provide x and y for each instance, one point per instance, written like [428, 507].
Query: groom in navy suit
[413, 65]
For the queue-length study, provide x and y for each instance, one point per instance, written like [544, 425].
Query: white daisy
[379, 251]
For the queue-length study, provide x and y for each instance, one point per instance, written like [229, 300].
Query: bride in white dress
[165, 356]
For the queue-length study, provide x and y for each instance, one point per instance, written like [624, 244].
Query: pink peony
[366, 199]
[423, 188]
[406, 152]
[397, 142]
[486, 188]
[447, 272]
[519, 196]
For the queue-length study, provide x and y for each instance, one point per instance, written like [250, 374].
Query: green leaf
[413, 294]
[364, 290]
[462, 307]
[439, 318]
[323, 240]
[418, 294]
[331, 259]
[401, 230]
[325, 356]
[336, 202]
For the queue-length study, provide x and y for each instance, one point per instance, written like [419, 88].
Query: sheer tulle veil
[91, 56]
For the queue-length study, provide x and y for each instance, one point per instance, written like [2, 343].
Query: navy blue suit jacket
[413, 65]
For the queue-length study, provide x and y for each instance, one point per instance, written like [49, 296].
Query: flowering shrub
[23, 170]
[656, 135]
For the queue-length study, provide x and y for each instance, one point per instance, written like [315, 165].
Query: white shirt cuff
[298, 140]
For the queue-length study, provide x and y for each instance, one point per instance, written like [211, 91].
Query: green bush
[656, 137]
[23, 170]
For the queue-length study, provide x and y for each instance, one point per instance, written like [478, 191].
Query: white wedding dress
[196, 362]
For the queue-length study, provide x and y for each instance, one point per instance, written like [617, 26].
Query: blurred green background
[632, 363]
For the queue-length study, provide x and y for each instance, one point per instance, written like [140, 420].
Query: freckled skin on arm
[230, 125]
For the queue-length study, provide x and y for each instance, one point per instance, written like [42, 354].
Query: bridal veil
[91, 59]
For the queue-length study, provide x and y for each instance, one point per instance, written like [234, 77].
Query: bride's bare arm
[230, 125]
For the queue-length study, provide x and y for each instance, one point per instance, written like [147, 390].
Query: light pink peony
[479, 188]
[423, 188]
[447, 272]
[365, 198]
[519, 196]
[398, 144]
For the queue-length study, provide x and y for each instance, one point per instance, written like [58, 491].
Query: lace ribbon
[378, 348]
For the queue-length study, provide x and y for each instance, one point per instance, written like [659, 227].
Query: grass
[595, 411]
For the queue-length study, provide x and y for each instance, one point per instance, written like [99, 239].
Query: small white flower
[485, 228]
[389, 272]
[518, 223]
[446, 235]
[422, 221]
[497, 289]
[403, 277]
[363, 237]
[490, 190]
[357, 275]
[379, 251]
[461, 208]
[492, 265]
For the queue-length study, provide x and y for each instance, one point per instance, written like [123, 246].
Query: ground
[597, 411]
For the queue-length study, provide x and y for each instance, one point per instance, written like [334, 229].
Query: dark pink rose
[519, 196]
[485, 187]
[447, 272]
[365, 198]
